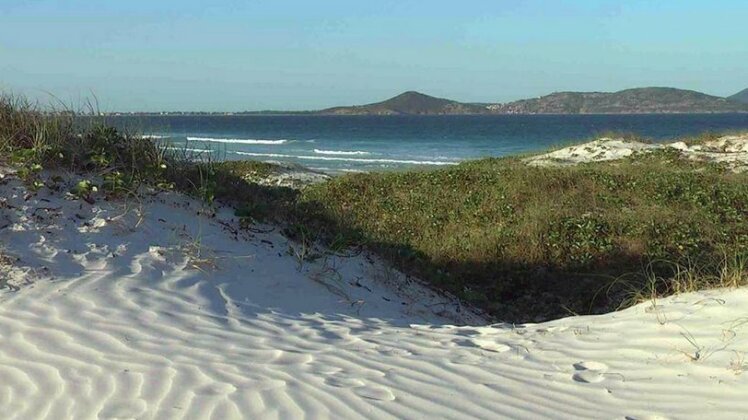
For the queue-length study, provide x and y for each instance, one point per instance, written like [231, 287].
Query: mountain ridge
[741, 97]
[648, 100]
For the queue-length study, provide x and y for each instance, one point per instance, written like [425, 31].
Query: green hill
[409, 103]
[652, 100]
[741, 97]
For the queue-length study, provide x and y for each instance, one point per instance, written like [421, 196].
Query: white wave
[187, 149]
[237, 141]
[340, 152]
[154, 136]
[344, 159]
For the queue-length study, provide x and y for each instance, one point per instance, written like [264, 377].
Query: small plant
[738, 364]
[206, 189]
[580, 240]
[697, 352]
[113, 182]
[303, 248]
[84, 190]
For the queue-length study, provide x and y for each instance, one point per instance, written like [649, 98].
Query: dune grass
[524, 243]
[32, 139]
[519, 240]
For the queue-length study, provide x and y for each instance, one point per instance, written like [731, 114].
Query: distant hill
[410, 103]
[652, 100]
[741, 96]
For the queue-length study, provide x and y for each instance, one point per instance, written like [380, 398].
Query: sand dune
[731, 150]
[156, 308]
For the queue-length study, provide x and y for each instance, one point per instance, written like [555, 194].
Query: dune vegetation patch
[34, 139]
[527, 242]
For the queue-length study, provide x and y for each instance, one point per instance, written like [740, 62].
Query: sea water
[338, 144]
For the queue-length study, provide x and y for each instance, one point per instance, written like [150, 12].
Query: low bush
[530, 243]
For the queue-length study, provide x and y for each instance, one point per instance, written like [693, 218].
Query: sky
[231, 55]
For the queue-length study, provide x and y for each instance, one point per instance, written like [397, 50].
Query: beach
[159, 307]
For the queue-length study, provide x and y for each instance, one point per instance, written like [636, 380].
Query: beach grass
[523, 243]
[32, 139]
[518, 240]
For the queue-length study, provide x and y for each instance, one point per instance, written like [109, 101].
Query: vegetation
[33, 140]
[519, 240]
[529, 243]
[524, 243]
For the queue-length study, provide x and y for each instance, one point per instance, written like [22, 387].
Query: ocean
[336, 144]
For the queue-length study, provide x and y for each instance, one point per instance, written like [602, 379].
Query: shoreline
[404, 141]
[731, 149]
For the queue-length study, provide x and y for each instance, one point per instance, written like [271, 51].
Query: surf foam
[341, 152]
[188, 149]
[238, 141]
[346, 159]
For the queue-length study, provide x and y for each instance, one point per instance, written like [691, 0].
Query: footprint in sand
[324, 370]
[466, 359]
[485, 344]
[359, 387]
[344, 382]
[291, 358]
[378, 393]
[394, 352]
[589, 372]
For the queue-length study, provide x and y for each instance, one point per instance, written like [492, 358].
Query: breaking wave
[346, 159]
[237, 141]
[187, 149]
[340, 152]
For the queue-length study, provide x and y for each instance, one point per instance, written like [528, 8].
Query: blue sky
[301, 54]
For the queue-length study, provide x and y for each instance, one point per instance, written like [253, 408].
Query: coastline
[371, 143]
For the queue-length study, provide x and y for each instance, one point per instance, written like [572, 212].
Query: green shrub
[523, 241]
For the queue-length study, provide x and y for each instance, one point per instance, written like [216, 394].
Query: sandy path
[111, 319]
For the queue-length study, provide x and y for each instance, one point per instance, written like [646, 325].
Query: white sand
[732, 150]
[116, 316]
